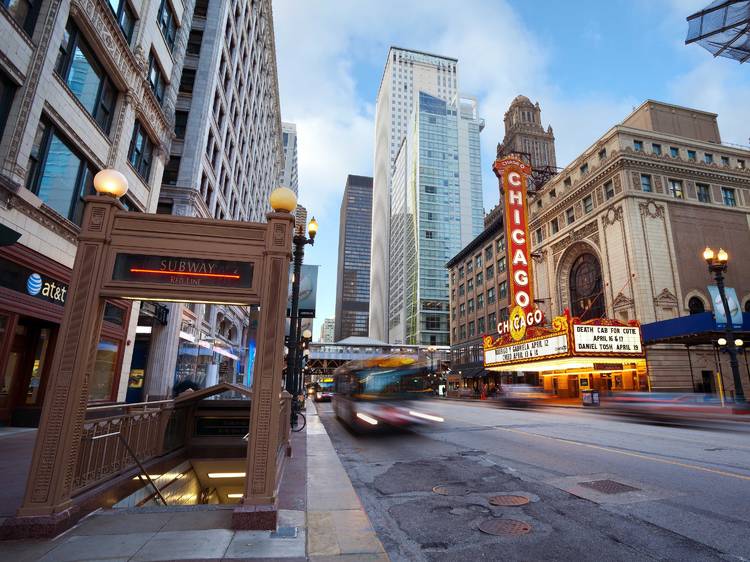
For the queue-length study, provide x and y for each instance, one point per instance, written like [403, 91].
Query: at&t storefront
[573, 355]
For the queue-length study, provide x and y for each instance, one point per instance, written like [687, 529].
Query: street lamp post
[717, 265]
[299, 241]
[305, 339]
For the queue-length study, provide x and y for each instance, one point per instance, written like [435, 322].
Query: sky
[587, 63]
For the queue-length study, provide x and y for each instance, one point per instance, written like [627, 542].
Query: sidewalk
[320, 519]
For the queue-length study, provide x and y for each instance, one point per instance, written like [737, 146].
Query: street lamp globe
[307, 334]
[722, 256]
[312, 228]
[110, 182]
[722, 341]
[708, 254]
[738, 342]
[283, 200]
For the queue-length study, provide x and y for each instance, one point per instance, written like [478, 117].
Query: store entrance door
[25, 375]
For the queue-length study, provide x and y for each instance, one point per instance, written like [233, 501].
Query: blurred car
[522, 395]
[664, 406]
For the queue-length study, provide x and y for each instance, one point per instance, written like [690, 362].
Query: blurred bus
[324, 390]
[383, 391]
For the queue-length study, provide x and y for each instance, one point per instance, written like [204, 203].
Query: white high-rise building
[326, 330]
[406, 73]
[288, 177]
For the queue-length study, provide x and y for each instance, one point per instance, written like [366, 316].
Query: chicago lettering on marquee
[512, 173]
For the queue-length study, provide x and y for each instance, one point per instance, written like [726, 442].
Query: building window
[461, 290]
[58, 175]
[501, 264]
[479, 278]
[609, 190]
[538, 236]
[567, 182]
[674, 152]
[461, 272]
[171, 170]
[727, 195]
[428, 234]
[156, 78]
[488, 253]
[588, 204]
[141, 151]
[187, 81]
[570, 215]
[691, 155]
[602, 154]
[79, 69]
[480, 300]
[480, 326]
[646, 183]
[463, 331]
[704, 193]
[491, 295]
[638, 146]
[167, 23]
[478, 260]
[125, 17]
[725, 160]
[7, 92]
[194, 42]
[584, 168]
[470, 306]
[24, 13]
[675, 189]
[471, 329]
[470, 284]
[555, 225]
[503, 289]
[708, 158]
[180, 123]
[501, 244]
[696, 306]
[740, 164]
[462, 309]
[492, 320]
[656, 149]
[490, 271]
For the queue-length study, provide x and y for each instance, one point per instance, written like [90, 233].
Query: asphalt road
[686, 494]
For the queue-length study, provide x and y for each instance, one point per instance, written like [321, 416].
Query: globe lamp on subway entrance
[283, 200]
[110, 182]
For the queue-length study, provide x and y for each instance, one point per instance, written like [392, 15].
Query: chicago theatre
[614, 242]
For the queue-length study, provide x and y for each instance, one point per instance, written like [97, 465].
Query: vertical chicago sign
[512, 173]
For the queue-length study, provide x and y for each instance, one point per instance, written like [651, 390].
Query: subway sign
[33, 283]
[171, 270]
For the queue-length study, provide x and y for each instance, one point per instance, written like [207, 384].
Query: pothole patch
[504, 527]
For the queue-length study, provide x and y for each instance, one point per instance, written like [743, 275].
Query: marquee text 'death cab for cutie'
[573, 355]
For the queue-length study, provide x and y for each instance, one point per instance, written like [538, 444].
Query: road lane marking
[631, 454]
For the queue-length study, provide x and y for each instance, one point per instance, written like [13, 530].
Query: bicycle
[298, 419]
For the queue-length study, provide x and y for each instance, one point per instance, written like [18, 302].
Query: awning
[695, 329]
[472, 372]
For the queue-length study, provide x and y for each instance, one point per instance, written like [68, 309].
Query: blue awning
[694, 329]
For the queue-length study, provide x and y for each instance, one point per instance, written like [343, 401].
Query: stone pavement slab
[185, 545]
[113, 523]
[107, 547]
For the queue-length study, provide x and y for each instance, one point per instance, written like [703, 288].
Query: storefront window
[40, 354]
[103, 377]
[11, 366]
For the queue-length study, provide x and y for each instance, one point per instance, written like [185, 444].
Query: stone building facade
[225, 162]
[85, 85]
[524, 134]
[619, 232]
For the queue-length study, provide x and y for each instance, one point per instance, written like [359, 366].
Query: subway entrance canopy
[165, 258]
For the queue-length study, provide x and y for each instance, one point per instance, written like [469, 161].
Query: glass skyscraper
[436, 209]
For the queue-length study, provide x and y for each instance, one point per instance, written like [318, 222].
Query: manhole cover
[501, 527]
[609, 487]
[452, 489]
[508, 500]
